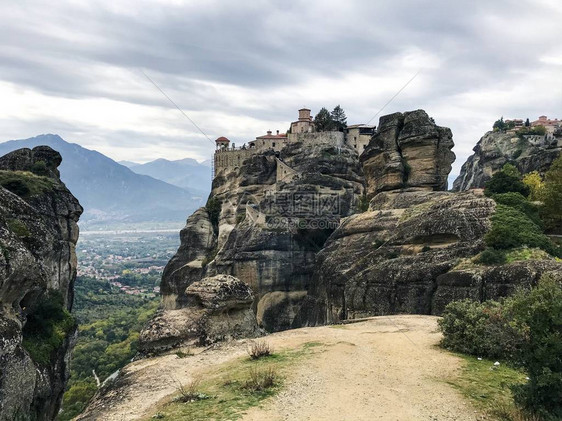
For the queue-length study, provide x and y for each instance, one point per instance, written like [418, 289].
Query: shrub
[40, 168]
[502, 182]
[519, 202]
[512, 228]
[539, 314]
[190, 391]
[480, 329]
[552, 209]
[526, 330]
[259, 349]
[48, 324]
[213, 208]
[425, 248]
[261, 379]
[18, 227]
[363, 204]
[491, 256]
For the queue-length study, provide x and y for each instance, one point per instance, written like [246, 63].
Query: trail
[384, 368]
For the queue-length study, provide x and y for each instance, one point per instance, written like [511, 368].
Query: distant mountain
[185, 173]
[128, 164]
[111, 193]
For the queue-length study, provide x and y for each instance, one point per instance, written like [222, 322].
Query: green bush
[40, 168]
[47, 326]
[525, 330]
[479, 329]
[521, 203]
[363, 204]
[18, 227]
[213, 208]
[512, 228]
[502, 182]
[492, 256]
[538, 313]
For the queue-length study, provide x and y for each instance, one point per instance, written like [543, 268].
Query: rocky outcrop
[408, 150]
[409, 254]
[216, 308]
[264, 223]
[495, 149]
[38, 234]
[286, 224]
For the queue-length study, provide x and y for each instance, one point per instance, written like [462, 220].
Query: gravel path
[384, 368]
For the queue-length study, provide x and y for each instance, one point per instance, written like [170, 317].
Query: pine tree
[323, 121]
[339, 118]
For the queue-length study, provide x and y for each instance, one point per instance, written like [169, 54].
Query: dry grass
[506, 412]
[259, 349]
[190, 391]
[261, 379]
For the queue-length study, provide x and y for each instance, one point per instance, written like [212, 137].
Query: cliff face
[38, 233]
[495, 149]
[287, 224]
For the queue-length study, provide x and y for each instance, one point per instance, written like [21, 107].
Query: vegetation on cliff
[47, 327]
[517, 221]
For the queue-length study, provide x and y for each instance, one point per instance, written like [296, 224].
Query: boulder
[408, 150]
[217, 308]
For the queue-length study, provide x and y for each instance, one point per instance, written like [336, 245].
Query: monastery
[229, 156]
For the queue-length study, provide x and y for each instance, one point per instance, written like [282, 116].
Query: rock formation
[286, 223]
[216, 308]
[411, 253]
[264, 223]
[495, 149]
[38, 234]
[408, 150]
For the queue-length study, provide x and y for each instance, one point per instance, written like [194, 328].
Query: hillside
[110, 192]
[186, 173]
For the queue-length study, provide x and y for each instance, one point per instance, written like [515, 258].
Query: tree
[323, 121]
[339, 119]
[552, 210]
[534, 181]
[499, 125]
[505, 181]
[527, 123]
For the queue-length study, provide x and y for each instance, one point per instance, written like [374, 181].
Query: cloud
[241, 68]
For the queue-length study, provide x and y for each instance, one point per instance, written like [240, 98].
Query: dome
[222, 139]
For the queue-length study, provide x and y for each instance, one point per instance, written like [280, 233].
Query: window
[273, 144]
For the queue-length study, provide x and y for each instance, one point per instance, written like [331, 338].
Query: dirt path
[385, 368]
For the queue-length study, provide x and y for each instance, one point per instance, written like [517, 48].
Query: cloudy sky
[239, 68]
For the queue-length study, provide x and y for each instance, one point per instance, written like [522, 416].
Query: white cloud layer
[75, 68]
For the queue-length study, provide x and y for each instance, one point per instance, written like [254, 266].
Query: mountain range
[185, 173]
[110, 192]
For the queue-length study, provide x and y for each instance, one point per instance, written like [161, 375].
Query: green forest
[109, 325]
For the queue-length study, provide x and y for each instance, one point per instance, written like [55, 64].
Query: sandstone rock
[38, 234]
[375, 263]
[408, 150]
[495, 149]
[217, 308]
[198, 240]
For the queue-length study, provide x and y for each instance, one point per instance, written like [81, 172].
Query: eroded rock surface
[38, 234]
[216, 308]
[495, 149]
[408, 150]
